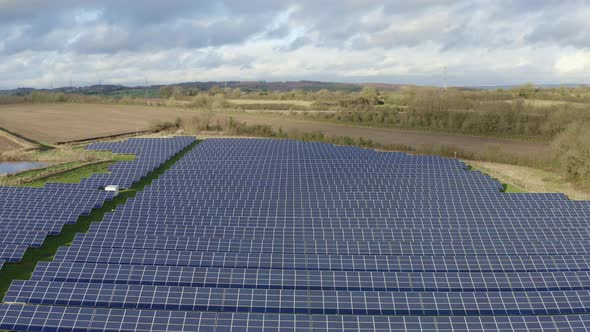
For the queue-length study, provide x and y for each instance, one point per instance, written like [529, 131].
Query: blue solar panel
[299, 301]
[348, 247]
[511, 263]
[311, 279]
[149, 155]
[28, 215]
[255, 234]
[31, 317]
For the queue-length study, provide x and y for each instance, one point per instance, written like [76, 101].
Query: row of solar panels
[299, 301]
[59, 318]
[300, 232]
[283, 261]
[339, 247]
[188, 276]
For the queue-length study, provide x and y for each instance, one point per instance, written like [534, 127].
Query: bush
[571, 149]
[203, 101]
[158, 126]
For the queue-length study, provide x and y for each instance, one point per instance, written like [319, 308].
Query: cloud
[577, 62]
[480, 41]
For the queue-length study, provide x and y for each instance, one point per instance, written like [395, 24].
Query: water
[11, 167]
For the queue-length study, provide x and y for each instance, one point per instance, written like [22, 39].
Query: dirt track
[7, 145]
[63, 122]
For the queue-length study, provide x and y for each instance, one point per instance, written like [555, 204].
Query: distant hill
[247, 86]
[542, 86]
[109, 89]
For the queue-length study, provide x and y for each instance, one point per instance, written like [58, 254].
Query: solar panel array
[28, 215]
[149, 155]
[248, 234]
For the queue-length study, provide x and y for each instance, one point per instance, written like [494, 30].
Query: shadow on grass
[24, 269]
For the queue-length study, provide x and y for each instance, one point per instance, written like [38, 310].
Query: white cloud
[577, 63]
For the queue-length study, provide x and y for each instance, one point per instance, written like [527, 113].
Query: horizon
[132, 86]
[429, 43]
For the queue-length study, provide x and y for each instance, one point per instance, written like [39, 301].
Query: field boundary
[20, 141]
[107, 137]
[49, 174]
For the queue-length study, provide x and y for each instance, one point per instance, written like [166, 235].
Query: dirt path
[7, 145]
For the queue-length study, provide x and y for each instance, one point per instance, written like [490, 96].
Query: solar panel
[255, 234]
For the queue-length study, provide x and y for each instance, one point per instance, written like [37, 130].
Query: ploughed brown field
[52, 123]
[414, 139]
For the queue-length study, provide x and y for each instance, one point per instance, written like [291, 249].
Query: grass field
[24, 269]
[73, 175]
[526, 179]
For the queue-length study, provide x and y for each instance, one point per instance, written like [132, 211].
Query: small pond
[11, 167]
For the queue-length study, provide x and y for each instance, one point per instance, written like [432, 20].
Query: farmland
[525, 126]
[52, 123]
[414, 139]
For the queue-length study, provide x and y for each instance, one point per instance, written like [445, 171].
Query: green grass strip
[73, 175]
[24, 269]
[512, 189]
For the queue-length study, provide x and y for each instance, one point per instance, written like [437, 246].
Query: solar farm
[261, 234]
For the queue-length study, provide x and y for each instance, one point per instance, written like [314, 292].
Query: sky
[480, 42]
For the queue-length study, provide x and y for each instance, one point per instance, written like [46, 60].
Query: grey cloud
[296, 44]
[570, 32]
[134, 25]
[184, 34]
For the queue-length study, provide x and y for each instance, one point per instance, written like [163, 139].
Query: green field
[512, 189]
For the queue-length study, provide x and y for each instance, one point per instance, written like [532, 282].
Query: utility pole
[445, 78]
[145, 93]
